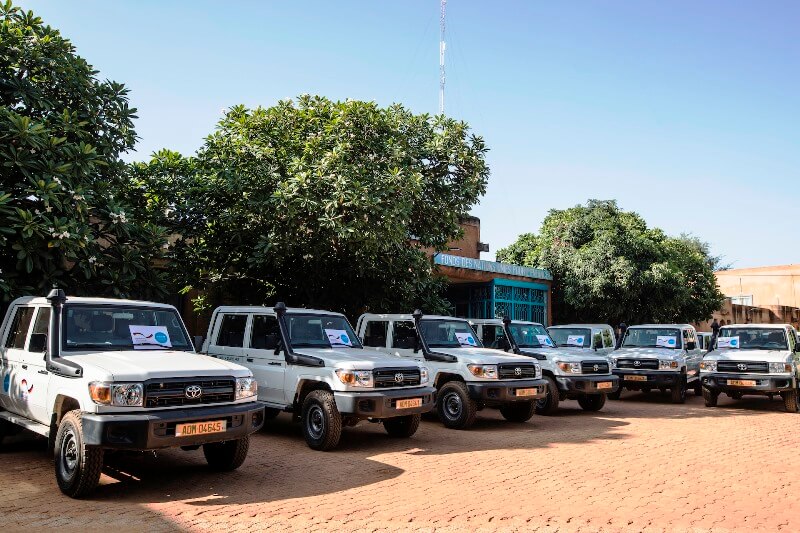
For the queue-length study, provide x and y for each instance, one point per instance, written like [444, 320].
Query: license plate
[527, 392]
[605, 385]
[742, 382]
[409, 403]
[200, 428]
[635, 378]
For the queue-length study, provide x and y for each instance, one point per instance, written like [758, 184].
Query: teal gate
[518, 300]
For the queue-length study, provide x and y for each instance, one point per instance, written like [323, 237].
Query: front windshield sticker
[338, 337]
[727, 342]
[575, 340]
[465, 339]
[149, 337]
[666, 341]
[544, 340]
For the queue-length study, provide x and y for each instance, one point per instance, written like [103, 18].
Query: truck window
[403, 335]
[231, 331]
[608, 338]
[19, 328]
[375, 333]
[491, 335]
[265, 334]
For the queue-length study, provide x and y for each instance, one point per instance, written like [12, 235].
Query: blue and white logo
[161, 337]
[672, 342]
[734, 343]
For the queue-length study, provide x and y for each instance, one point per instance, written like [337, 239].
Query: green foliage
[316, 202]
[609, 266]
[61, 133]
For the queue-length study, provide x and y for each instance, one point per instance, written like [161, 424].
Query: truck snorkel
[54, 362]
[291, 357]
[427, 352]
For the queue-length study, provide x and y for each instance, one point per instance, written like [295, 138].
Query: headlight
[538, 371]
[483, 371]
[708, 366]
[355, 378]
[780, 368]
[117, 394]
[613, 362]
[423, 375]
[246, 387]
[667, 365]
[570, 368]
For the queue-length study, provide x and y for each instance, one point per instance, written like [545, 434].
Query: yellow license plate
[742, 382]
[527, 392]
[200, 428]
[605, 385]
[409, 403]
[635, 378]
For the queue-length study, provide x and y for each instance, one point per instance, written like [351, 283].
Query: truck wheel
[549, 404]
[518, 411]
[77, 466]
[322, 423]
[710, 397]
[678, 393]
[456, 409]
[228, 455]
[592, 402]
[616, 394]
[791, 401]
[402, 426]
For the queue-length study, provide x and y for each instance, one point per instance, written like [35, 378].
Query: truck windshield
[531, 336]
[320, 331]
[652, 338]
[580, 337]
[118, 327]
[753, 338]
[449, 334]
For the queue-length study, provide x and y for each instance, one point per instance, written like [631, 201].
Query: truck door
[268, 368]
[228, 341]
[16, 385]
[33, 365]
[693, 356]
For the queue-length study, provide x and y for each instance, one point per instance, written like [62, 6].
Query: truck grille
[172, 392]
[751, 367]
[643, 364]
[395, 377]
[594, 367]
[509, 371]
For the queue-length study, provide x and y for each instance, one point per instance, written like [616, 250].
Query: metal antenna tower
[442, 46]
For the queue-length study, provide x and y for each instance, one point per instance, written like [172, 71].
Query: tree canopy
[609, 266]
[62, 131]
[317, 202]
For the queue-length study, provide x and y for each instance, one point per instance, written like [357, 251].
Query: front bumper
[654, 379]
[155, 430]
[587, 384]
[506, 391]
[383, 404]
[764, 383]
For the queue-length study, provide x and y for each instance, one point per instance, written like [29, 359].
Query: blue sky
[686, 112]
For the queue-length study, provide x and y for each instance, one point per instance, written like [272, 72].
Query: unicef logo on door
[161, 337]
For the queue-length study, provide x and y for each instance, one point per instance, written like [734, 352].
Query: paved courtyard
[641, 464]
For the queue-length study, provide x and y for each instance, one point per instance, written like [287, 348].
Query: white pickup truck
[93, 374]
[310, 363]
[467, 376]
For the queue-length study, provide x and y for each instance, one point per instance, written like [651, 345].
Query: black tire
[698, 387]
[518, 411]
[322, 423]
[77, 466]
[549, 404]
[228, 455]
[710, 397]
[402, 427]
[678, 393]
[592, 402]
[791, 401]
[456, 409]
[616, 394]
[271, 413]
[646, 390]
[736, 395]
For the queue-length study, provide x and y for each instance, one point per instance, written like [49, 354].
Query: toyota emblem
[517, 371]
[741, 366]
[193, 392]
[399, 377]
[637, 363]
[596, 367]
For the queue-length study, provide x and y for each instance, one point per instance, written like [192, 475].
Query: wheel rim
[69, 454]
[544, 402]
[315, 422]
[452, 405]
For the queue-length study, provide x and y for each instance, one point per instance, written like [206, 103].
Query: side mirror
[38, 343]
[198, 342]
[691, 345]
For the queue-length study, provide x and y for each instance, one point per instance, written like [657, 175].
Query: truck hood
[484, 356]
[574, 354]
[355, 359]
[769, 356]
[140, 365]
[648, 353]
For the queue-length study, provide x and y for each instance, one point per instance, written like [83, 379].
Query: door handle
[249, 360]
[275, 363]
[24, 367]
[43, 372]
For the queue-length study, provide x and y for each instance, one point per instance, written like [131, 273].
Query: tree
[609, 266]
[61, 134]
[321, 203]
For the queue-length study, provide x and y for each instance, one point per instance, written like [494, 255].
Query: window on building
[231, 331]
